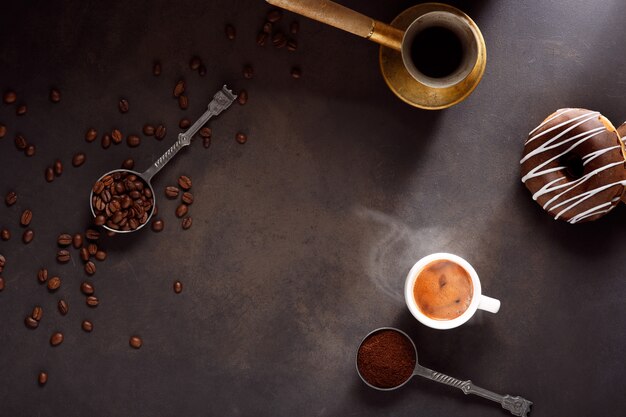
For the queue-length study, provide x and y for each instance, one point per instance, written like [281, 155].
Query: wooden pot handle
[341, 17]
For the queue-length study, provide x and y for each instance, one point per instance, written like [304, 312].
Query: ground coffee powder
[386, 359]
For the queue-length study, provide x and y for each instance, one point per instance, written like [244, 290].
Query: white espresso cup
[478, 301]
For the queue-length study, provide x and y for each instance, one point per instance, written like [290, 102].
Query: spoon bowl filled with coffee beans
[122, 200]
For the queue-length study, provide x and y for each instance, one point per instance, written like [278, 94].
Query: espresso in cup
[437, 52]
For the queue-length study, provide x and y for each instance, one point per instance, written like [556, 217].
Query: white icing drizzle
[567, 186]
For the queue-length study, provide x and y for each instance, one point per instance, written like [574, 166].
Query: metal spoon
[221, 101]
[518, 406]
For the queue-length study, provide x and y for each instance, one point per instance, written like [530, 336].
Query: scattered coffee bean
[10, 97]
[42, 275]
[100, 255]
[20, 142]
[230, 31]
[58, 168]
[178, 287]
[261, 38]
[194, 63]
[181, 210]
[156, 68]
[63, 307]
[42, 378]
[49, 174]
[54, 283]
[21, 110]
[26, 218]
[135, 342]
[184, 123]
[92, 301]
[90, 268]
[31, 323]
[3, 130]
[241, 138]
[184, 182]
[292, 45]
[91, 134]
[160, 132]
[171, 192]
[128, 163]
[296, 72]
[279, 40]
[87, 326]
[274, 15]
[28, 236]
[56, 339]
[187, 222]
[116, 136]
[78, 159]
[179, 88]
[64, 239]
[86, 288]
[267, 27]
[106, 141]
[187, 198]
[148, 130]
[77, 241]
[202, 70]
[92, 234]
[294, 28]
[5, 234]
[2, 284]
[242, 97]
[11, 198]
[63, 256]
[92, 248]
[3, 262]
[206, 132]
[133, 141]
[37, 313]
[248, 72]
[123, 105]
[183, 102]
[30, 150]
[206, 142]
[157, 225]
[84, 254]
[55, 95]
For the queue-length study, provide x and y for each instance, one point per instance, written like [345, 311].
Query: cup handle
[489, 304]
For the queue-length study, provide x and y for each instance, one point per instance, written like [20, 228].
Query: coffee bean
[178, 287]
[156, 68]
[133, 141]
[183, 102]
[30, 150]
[160, 132]
[261, 38]
[279, 40]
[116, 136]
[26, 218]
[20, 142]
[92, 301]
[77, 241]
[9, 97]
[187, 222]
[11, 198]
[87, 326]
[5, 234]
[3, 262]
[64, 239]
[98, 187]
[184, 182]
[123, 105]
[202, 70]
[294, 28]
[21, 110]
[90, 268]
[49, 174]
[267, 27]
[206, 142]
[242, 97]
[292, 45]
[296, 72]
[135, 342]
[100, 255]
[181, 210]
[106, 141]
[206, 132]
[86, 288]
[99, 220]
[28, 236]
[84, 254]
[31, 323]
[58, 168]
[187, 198]
[248, 72]
[148, 130]
[54, 283]
[92, 248]
[3, 130]
[42, 378]
[171, 192]
[91, 134]
[55, 95]
[194, 63]
[184, 123]
[37, 313]
[63, 307]
[230, 31]
[78, 159]
[56, 339]
[179, 88]
[2, 284]
[63, 256]
[274, 15]
[128, 163]
[157, 225]
[91, 234]
[241, 138]
[42, 275]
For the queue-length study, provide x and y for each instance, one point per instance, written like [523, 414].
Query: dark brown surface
[302, 237]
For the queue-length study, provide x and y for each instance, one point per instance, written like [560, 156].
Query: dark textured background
[302, 237]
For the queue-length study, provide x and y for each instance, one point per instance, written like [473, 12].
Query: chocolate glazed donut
[574, 165]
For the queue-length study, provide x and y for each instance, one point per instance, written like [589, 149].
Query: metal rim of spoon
[220, 102]
[517, 405]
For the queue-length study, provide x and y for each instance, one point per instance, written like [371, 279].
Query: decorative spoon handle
[221, 101]
[518, 406]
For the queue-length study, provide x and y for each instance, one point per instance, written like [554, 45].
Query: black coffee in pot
[437, 52]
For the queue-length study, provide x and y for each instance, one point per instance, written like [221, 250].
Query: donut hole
[573, 165]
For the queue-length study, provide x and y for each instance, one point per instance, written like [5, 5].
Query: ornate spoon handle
[518, 406]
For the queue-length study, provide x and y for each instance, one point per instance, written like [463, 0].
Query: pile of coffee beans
[121, 201]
